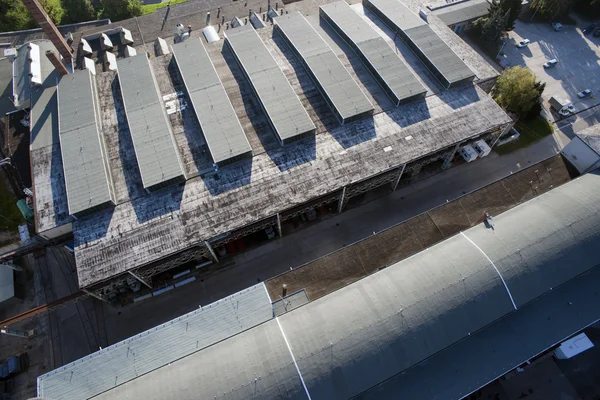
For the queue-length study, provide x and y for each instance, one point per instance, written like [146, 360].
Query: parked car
[584, 93]
[550, 63]
[597, 33]
[14, 365]
[523, 43]
[557, 26]
[589, 29]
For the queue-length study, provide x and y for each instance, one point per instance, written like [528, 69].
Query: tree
[117, 10]
[15, 17]
[513, 8]
[551, 8]
[516, 90]
[78, 11]
[491, 27]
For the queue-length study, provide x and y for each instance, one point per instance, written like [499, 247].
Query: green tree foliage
[513, 9]
[78, 11]
[15, 17]
[551, 8]
[517, 91]
[117, 10]
[493, 25]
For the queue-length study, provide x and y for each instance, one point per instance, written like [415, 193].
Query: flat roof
[337, 85]
[6, 75]
[157, 156]
[51, 209]
[244, 195]
[21, 69]
[363, 339]
[220, 125]
[281, 104]
[455, 13]
[375, 51]
[157, 347]
[87, 178]
[591, 137]
[426, 41]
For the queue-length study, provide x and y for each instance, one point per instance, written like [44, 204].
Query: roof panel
[428, 45]
[282, 106]
[87, 178]
[374, 51]
[221, 128]
[339, 88]
[455, 13]
[157, 156]
[157, 347]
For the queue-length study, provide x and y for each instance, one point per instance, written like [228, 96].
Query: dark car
[589, 29]
[597, 33]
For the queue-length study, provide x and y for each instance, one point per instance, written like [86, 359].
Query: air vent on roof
[105, 42]
[126, 37]
[235, 22]
[129, 51]
[88, 63]
[111, 61]
[85, 47]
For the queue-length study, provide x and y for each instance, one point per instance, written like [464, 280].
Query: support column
[212, 252]
[95, 295]
[139, 278]
[448, 160]
[279, 225]
[504, 132]
[399, 177]
[341, 201]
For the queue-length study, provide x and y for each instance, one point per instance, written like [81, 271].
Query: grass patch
[150, 8]
[531, 132]
[10, 216]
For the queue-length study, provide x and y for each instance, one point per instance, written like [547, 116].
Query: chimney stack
[41, 17]
[58, 65]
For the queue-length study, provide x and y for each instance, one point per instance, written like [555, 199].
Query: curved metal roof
[372, 331]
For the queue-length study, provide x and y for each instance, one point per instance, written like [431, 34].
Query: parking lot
[577, 54]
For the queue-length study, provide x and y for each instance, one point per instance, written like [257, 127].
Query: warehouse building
[488, 299]
[460, 15]
[185, 185]
[583, 151]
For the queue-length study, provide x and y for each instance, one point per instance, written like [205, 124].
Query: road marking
[293, 358]
[493, 265]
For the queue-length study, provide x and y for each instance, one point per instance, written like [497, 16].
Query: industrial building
[438, 325]
[460, 15]
[583, 151]
[187, 181]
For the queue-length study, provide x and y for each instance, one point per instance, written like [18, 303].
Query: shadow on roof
[229, 177]
[294, 154]
[158, 203]
[460, 96]
[355, 133]
[412, 113]
[101, 222]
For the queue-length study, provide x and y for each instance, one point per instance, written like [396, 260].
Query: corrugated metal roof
[277, 97]
[157, 157]
[221, 128]
[339, 88]
[462, 12]
[157, 347]
[374, 51]
[87, 176]
[424, 39]
[387, 323]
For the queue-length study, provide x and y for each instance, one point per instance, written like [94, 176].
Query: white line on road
[293, 358]
[493, 265]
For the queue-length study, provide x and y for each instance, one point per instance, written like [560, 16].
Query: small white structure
[161, 47]
[570, 348]
[129, 51]
[210, 34]
[86, 49]
[111, 60]
[256, 21]
[35, 64]
[583, 151]
[468, 153]
[89, 64]
[235, 22]
[482, 148]
[105, 42]
[126, 37]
